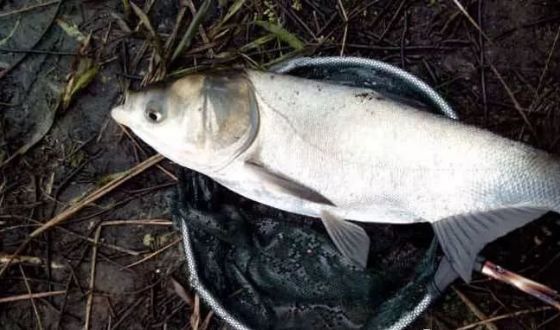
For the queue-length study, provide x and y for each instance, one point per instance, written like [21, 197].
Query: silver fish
[337, 152]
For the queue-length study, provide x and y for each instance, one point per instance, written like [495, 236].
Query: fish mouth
[119, 115]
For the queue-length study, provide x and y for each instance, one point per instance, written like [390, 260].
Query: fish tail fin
[463, 236]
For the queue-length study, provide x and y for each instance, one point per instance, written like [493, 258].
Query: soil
[502, 77]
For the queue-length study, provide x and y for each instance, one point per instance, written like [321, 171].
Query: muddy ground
[64, 64]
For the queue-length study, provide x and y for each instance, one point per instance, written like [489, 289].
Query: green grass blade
[282, 34]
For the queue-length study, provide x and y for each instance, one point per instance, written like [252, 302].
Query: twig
[25, 9]
[65, 299]
[153, 254]
[207, 320]
[482, 60]
[171, 40]
[14, 255]
[98, 194]
[117, 204]
[298, 20]
[28, 296]
[36, 261]
[86, 201]
[37, 51]
[136, 146]
[345, 35]
[180, 290]
[31, 299]
[139, 147]
[470, 19]
[396, 48]
[195, 316]
[547, 64]
[516, 104]
[191, 30]
[155, 222]
[545, 322]
[393, 20]
[345, 19]
[201, 29]
[127, 313]
[474, 309]
[505, 316]
[403, 39]
[376, 20]
[552, 260]
[150, 189]
[88, 239]
[153, 36]
[89, 303]
[540, 21]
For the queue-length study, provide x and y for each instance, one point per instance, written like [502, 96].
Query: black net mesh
[275, 270]
[262, 268]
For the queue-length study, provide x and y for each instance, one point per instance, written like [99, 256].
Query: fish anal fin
[350, 239]
[463, 236]
[279, 183]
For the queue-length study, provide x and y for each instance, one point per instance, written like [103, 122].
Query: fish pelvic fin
[463, 236]
[350, 239]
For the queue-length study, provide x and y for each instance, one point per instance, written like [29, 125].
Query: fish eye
[154, 115]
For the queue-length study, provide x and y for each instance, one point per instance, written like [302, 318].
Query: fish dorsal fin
[276, 182]
[350, 239]
[463, 236]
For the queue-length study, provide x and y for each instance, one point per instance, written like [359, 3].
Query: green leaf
[110, 177]
[257, 42]
[72, 30]
[282, 34]
[84, 75]
[154, 37]
[85, 79]
[283, 58]
[233, 9]
[126, 7]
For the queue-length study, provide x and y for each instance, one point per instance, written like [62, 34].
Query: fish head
[202, 122]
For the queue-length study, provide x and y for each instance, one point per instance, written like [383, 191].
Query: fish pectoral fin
[463, 236]
[279, 183]
[350, 239]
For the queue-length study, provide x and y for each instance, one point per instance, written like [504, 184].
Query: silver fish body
[381, 161]
[338, 152]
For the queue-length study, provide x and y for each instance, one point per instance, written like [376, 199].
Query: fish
[347, 155]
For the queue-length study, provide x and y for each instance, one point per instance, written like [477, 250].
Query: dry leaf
[182, 292]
